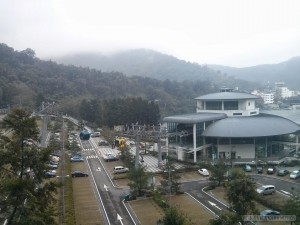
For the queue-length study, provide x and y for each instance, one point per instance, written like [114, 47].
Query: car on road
[247, 168]
[120, 169]
[269, 212]
[110, 157]
[295, 174]
[95, 134]
[103, 143]
[76, 159]
[271, 170]
[282, 172]
[266, 190]
[203, 172]
[50, 173]
[79, 174]
[259, 169]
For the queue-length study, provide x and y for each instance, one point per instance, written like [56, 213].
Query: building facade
[228, 125]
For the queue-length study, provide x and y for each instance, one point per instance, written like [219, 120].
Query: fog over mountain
[288, 71]
[149, 63]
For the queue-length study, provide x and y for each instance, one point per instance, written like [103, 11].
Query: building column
[204, 151]
[195, 141]
[266, 147]
[255, 156]
[297, 142]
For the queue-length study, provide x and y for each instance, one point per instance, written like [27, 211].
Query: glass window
[231, 105]
[213, 105]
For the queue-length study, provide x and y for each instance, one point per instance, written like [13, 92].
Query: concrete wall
[242, 151]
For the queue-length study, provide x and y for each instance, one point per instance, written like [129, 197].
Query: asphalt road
[107, 193]
[195, 189]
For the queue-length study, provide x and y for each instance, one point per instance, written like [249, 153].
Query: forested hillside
[27, 80]
[149, 63]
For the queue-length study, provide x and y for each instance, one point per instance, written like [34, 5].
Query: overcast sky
[228, 32]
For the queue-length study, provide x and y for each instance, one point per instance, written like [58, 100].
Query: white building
[227, 125]
[268, 98]
[283, 91]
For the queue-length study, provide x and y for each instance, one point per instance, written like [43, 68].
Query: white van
[120, 169]
[266, 190]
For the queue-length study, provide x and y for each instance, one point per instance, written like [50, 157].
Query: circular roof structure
[261, 125]
[195, 118]
[226, 96]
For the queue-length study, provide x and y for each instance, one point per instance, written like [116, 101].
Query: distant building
[268, 98]
[283, 91]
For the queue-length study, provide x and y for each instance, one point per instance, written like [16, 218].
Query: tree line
[121, 111]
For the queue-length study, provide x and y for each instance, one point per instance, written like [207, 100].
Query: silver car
[295, 174]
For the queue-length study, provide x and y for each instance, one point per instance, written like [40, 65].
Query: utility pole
[148, 133]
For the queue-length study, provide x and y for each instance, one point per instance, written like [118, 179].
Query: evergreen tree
[26, 200]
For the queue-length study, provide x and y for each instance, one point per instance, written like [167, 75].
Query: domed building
[228, 125]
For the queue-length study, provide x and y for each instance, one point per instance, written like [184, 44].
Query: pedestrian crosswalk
[149, 162]
[91, 156]
[106, 150]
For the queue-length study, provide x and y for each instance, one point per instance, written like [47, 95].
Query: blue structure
[84, 135]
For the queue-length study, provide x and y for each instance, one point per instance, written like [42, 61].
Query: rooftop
[261, 125]
[195, 118]
[226, 96]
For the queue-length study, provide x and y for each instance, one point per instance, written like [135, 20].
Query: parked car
[110, 157]
[269, 212]
[51, 173]
[271, 170]
[247, 168]
[282, 172]
[79, 174]
[259, 169]
[76, 159]
[203, 172]
[295, 174]
[266, 190]
[120, 169]
[52, 166]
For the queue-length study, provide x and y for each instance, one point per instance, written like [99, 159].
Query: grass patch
[68, 196]
[275, 201]
[148, 212]
[85, 204]
[196, 213]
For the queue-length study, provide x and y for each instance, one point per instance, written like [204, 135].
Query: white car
[295, 174]
[203, 172]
